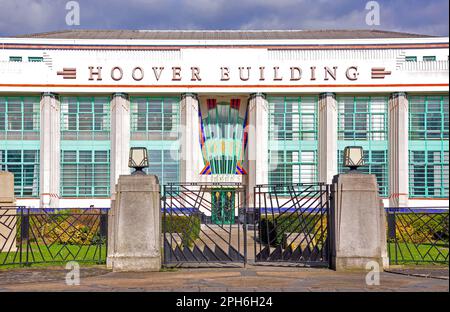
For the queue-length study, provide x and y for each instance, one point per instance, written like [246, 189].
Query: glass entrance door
[223, 206]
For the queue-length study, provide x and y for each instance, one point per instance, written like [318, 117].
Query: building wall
[313, 98]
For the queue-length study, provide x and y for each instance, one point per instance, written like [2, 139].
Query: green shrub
[274, 227]
[188, 227]
[412, 228]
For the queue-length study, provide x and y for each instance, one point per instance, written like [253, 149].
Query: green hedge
[412, 228]
[188, 227]
[278, 225]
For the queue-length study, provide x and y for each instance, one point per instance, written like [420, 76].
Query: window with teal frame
[293, 140]
[20, 142]
[85, 147]
[428, 146]
[362, 121]
[155, 125]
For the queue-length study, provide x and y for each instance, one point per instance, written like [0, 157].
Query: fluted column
[120, 137]
[398, 150]
[50, 134]
[191, 162]
[257, 149]
[327, 138]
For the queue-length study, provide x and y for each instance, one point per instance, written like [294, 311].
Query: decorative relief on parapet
[379, 73]
[68, 73]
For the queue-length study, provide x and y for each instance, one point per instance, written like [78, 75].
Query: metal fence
[292, 228]
[39, 235]
[417, 235]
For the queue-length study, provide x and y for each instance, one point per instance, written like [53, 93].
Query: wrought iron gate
[204, 224]
[291, 224]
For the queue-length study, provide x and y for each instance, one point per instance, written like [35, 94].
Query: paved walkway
[265, 279]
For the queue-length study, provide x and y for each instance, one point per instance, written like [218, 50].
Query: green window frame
[85, 173]
[85, 146]
[35, 59]
[362, 121]
[428, 146]
[85, 118]
[15, 59]
[155, 124]
[24, 164]
[429, 58]
[293, 139]
[20, 142]
[411, 58]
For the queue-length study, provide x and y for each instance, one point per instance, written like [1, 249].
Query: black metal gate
[204, 224]
[291, 224]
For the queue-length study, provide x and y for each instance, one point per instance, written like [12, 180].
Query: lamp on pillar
[138, 160]
[353, 157]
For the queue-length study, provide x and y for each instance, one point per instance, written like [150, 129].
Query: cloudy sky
[32, 16]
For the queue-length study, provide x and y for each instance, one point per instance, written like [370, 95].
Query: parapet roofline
[223, 34]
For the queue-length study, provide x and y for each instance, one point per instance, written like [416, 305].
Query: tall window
[85, 146]
[428, 146]
[293, 139]
[362, 121]
[155, 125]
[20, 142]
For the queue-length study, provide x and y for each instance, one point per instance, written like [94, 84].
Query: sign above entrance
[157, 74]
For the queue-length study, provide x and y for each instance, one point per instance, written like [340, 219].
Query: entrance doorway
[223, 211]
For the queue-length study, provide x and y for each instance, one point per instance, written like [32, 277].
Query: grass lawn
[418, 253]
[56, 254]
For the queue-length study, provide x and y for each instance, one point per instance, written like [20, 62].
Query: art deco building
[244, 106]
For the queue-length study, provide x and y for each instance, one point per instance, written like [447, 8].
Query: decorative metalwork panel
[204, 224]
[292, 229]
[36, 235]
[417, 235]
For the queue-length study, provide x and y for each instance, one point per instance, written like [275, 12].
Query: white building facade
[256, 107]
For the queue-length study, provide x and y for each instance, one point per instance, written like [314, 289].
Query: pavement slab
[249, 279]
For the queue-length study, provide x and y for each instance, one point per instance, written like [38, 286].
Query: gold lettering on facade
[241, 75]
[276, 76]
[329, 72]
[98, 73]
[296, 73]
[115, 70]
[176, 73]
[224, 73]
[195, 74]
[157, 71]
[137, 77]
[352, 73]
[261, 73]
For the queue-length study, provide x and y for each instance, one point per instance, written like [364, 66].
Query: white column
[257, 147]
[191, 162]
[50, 151]
[327, 139]
[398, 150]
[120, 137]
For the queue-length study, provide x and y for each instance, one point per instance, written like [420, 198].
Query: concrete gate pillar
[398, 150]
[50, 151]
[8, 219]
[257, 149]
[327, 141]
[357, 223]
[135, 238]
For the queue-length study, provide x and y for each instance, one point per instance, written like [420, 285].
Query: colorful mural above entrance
[223, 137]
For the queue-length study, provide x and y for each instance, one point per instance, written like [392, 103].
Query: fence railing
[39, 235]
[418, 235]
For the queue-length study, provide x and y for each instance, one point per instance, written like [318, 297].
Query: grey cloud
[30, 16]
